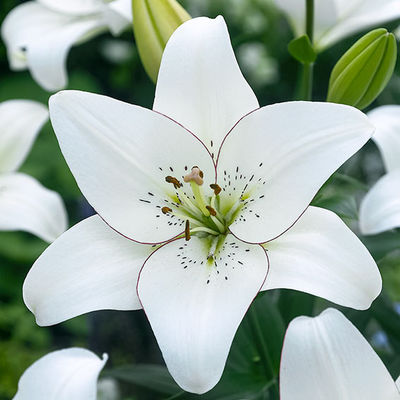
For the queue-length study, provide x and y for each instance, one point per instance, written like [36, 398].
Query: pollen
[217, 189]
[196, 175]
[212, 211]
[187, 230]
[174, 181]
[166, 210]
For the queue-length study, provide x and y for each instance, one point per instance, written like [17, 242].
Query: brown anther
[174, 181]
[187, 230]
[217, 189]
[195, 175]
[166, 210]
[212, 211]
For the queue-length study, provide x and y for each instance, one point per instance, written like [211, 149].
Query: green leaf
[149, 376]
[302, 50]
[390, 270]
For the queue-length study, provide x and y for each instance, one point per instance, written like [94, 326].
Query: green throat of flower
[204, 213]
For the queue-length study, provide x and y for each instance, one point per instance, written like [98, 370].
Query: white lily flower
[380, 208]
[334, 20]
[207, 164]
[69, 374]
[24, 203]
[39, 34]
[326, 357]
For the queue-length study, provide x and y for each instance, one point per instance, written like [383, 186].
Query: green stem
[310, 19]
[306, 82]
[261, 346]
[307, 74]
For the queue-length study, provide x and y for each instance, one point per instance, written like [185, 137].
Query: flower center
[204, 212]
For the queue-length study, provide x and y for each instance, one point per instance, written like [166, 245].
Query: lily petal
[337, 19]
[195, 307]
[28, 206]
[322, 256]
[73, 7]
[200, 84]
[90, 267]
[122, 7]
[380, 208]
[357, 15]
[39, 38]
[327, 358]
[62, 375]
[289, 150]
[125, 154]
[20, 122]
[387, 135]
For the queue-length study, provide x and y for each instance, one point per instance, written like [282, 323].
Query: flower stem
[310, 19]
[307, 74]
[261, 346]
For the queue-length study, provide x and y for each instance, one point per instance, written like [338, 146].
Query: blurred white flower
[24, 203]
[39, 34]
[69, 374]
[336, 19]
[108, 389]
[380, 208]
[327, 358]
[260, 68]
[117, 51]
[223, 187]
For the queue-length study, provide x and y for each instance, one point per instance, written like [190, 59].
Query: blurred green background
[111, 66]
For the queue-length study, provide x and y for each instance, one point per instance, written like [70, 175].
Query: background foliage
[111, 66]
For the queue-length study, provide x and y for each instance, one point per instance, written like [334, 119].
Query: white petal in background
[20, 123]
[73, 7]
[386, 120]
[69, 374]
[322, 256]
[119, 15]
[195, 308]
[28, 206]
[327, 358]
[90, 267]
[200, 84]
[39, 38]
[125, 154]
[337, 19]
[380, 208]
[293, 147]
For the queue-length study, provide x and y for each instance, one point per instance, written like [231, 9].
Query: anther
[196, 175]
[212, 211]
[174, 181]
[166, 210]
[217, 189]
[187, 230]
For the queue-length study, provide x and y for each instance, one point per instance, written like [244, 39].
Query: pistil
[195, 177]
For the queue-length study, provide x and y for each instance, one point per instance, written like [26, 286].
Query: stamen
[166, 210]
[187, 230]
[174, 181]
[217, 189]
[218, 224]
[211, 210]
[204, 229]
[196, 175]
[185, 200]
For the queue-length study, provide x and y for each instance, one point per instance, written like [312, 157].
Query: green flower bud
[364, 70]
[154, 21]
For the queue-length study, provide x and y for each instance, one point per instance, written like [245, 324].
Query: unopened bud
[154, 23]
[364, 70]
